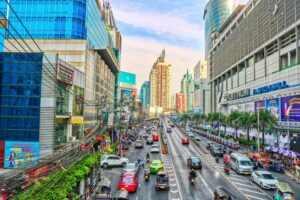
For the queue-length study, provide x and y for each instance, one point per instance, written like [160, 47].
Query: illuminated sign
[237, 95]
[77, 120]
[272, 87]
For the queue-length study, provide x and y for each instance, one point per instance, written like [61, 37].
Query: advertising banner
[273, 106]
[78, 101]
[127, 95]
[260, 105]
[21, 154]
[290, 108]
[127, 78]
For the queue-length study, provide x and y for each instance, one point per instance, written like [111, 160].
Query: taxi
[156, 166]
[155, 137]
[128, 182]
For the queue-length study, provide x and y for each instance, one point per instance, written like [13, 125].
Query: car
[217, 150]
[128, 182]
[155, 137]
[197, 138]
[172, 125]
[264, 179]
[154, 148]
[169, 130]
[131, 168]
[145, 137]
[149, 141]
[185, 141]
[254, 163]
[113, 161]
[156, 166]
[190, 134]
[194, 162]
[139, 144]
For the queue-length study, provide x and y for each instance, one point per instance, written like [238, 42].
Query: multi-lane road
[211, 176]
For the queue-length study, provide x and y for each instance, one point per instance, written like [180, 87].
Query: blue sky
[149, 26]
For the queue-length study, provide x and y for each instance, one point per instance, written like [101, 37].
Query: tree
[233, 120]
[196, 117]
[246, 121]
[222, 119]
[266, 119]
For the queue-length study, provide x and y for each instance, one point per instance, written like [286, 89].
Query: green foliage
[61, 184]
[114, 148]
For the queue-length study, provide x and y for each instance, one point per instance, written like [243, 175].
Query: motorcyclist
[217, 158]
[148, 156]
[139, 162]
[192, 174]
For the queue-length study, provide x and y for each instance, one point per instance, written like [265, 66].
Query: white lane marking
[250, 186]
[204, 182]
[251, 191]
[137, 198]
[173, 185]
[174, 191]
[255, 197]
[238, 179]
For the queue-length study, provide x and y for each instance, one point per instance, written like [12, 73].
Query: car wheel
[261, 185]
[105, 165]
[123, 164]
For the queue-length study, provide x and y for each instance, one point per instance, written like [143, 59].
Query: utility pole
[258, 131]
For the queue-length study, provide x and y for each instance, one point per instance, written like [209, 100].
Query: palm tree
[196, 117]
[247, 121]
[266, 119]
[222, 119]
[233, 120]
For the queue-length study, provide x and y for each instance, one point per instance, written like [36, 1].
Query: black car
[145, 137]
[149, 141]
[217, 150]
[172, 125]
[169, 130]
[194, 163]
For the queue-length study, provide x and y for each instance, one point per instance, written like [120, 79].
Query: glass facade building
[215, 14]
[145, 94]
[20, 96]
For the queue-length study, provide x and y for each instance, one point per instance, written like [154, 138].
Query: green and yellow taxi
[156, 166]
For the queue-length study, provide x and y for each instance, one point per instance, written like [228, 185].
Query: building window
[293, 57]
[62, 99]
[284, 61]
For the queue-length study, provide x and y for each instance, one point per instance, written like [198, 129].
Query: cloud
[163, 24]
[139, 54]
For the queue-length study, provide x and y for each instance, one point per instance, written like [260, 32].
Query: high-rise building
[180, 102]
[160, 84]
[145, 94]
[83, 36]
[201, 88]
[215, 14]
[262, 70]
[187, 88]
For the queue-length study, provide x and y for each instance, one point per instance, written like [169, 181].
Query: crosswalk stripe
[251, 191]
[250, 186]
[255, 197]
[238, 179]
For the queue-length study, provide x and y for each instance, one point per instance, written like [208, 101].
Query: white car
[191, 134]
[113, 161]
[154, 148]
[197, 138]
[264, 179]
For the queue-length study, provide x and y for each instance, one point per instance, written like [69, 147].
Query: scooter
[148, 159]
[217, 159]
[227, 169]
[147, 176]
[192, 180]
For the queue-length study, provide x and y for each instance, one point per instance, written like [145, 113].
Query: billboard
[127, 95]
[21, 154]
[259, 105]
[272, 105]
[127, 78]
[290, 108]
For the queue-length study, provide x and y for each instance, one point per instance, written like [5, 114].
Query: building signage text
[65, 74]
[237, 95]
[272, 87]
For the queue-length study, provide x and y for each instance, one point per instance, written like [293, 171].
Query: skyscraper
[180, 102]
[160, 84]
[187, 88]
[215, 14]
[145, 94]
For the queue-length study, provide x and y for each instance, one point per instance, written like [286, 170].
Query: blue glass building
[215, 14]
[145, 94]
[20, 94]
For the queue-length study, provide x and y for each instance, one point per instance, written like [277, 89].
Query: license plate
[246, 172]
[162, 187]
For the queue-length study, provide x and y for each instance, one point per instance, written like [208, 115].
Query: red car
[155, 137]
[185, 141]
[128, 182]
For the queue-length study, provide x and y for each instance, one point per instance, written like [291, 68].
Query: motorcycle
[192, 180]
[148, 159]
[217, 159]
[147, 176]
[227, 169]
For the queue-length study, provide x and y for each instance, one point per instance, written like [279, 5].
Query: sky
[149, 26]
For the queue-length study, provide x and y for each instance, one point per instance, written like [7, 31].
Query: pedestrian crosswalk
[249, 189]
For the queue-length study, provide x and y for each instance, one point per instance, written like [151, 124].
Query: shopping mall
[254, 63]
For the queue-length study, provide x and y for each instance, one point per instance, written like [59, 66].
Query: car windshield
[245, 163]
[139, 141]
[129, 166]
[127, 180]
[156, 164]
[154, 146]
[195, 160]
[267, 176]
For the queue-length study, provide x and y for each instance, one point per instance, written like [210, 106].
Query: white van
[241, 163]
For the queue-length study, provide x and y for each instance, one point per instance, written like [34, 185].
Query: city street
[145, 189]
[247, 179]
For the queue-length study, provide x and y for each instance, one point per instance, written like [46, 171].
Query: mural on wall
[21, 154]
[273, 106]
[290, 108]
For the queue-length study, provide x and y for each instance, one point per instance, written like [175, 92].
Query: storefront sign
[65, 74]
[110, 121]
[272, 105]
[260, 105]
[269, 88]
[290, 108]
[237, 95]
[77, 120]
[21, 154]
